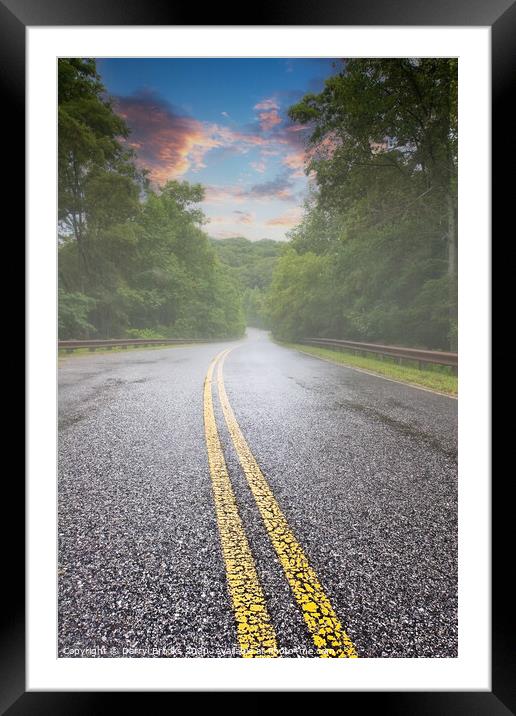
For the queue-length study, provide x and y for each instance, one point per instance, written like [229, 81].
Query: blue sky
[222, 122]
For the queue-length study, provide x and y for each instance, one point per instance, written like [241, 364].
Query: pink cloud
[294, 128]
[259, 166]
[236, 217]
[243, 217]
[215, 194]
[268, 116]
[168, 144]
[266, 104]
[288, 219]
[296, 162]
[268, 120]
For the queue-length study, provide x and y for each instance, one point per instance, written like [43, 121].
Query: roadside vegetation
[434, 377]
[375, 257]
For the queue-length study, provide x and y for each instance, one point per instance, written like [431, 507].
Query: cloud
[290, 141]
[236, 217]
[168, 143]
[293, 129]
[215, 193]
[243, 217]
[278, 188]
[277, 127]
[268, 120]
[266, 104]
[225, 114]
[268, 116]
[259, 166]
[288, 219]
[240, 141]
[296, 162]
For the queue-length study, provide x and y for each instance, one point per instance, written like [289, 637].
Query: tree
[132, 260]
[251, 263]
[98, 181]
[299, 300]
[383, 149]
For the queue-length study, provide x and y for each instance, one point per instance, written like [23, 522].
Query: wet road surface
[358, 472]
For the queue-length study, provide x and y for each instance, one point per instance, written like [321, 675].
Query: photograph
[257, 308]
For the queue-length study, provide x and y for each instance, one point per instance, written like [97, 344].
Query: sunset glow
[222, 123]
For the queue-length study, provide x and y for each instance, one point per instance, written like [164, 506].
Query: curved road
[360, 475]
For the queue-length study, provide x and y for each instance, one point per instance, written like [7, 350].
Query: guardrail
[413, 354]
[93, 344]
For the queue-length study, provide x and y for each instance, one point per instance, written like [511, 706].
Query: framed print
[258, 362]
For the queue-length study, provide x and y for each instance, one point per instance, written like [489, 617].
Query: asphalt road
[363, 469]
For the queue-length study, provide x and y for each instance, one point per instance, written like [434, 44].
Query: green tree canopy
[132, 260]
[251, 263]
[383, 152]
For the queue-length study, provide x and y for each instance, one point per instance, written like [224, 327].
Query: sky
[222, 123]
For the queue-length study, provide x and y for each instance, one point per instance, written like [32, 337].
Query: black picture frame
[500, 15]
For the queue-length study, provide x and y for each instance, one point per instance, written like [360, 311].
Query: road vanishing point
[243, 499]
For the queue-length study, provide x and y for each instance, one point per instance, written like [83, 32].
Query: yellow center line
[327, 633]
[255, 632]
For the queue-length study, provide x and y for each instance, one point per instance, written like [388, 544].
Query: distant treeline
[252, 264]
[375, 257]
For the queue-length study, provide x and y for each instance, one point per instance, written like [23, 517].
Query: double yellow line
[255, 632]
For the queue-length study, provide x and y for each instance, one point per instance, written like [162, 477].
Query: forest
[252, 264]
[373, 258]
[133, 261]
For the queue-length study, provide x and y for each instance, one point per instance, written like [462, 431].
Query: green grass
[116, 349]
[438, 378]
